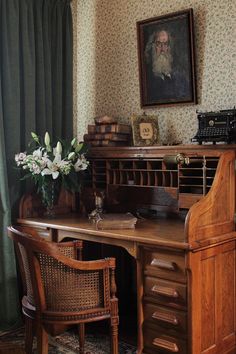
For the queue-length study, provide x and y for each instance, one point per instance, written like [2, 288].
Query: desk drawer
[165, 292]
[165, 264]
[168, 318]
[156, 341]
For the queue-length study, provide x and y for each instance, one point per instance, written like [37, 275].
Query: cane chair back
[72, 249]
[67, 291]
[54, 273]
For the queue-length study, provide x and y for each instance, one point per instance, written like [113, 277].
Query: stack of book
[108, 132]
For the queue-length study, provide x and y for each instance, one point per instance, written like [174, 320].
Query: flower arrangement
[50, 168]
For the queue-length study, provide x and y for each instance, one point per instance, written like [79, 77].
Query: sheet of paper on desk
[116, 221]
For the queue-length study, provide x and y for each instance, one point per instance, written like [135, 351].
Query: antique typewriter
[219, 126]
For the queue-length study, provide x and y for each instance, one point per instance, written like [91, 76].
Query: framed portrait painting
[166, 60]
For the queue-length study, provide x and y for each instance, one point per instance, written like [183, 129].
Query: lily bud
[47, 139]
[71, 155]
[59, 147]
[35, 137]
[73, 142]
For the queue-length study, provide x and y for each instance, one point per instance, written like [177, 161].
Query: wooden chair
[63, 291]
[71, 249]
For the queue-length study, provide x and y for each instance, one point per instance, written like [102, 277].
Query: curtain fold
[35, 95]
[8, 284]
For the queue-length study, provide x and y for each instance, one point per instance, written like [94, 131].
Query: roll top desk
[184, 242]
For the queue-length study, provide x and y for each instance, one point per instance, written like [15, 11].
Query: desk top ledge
[164, 232]
[160, 232]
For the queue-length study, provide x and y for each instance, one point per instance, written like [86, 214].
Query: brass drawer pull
[165, 317]
[138, 156]
[163, 264]
[165, 344]
[164, 291]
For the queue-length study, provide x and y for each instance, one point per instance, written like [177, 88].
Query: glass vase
[50, 193]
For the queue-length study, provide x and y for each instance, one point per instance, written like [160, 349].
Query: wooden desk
[185, 266]
[173, 283]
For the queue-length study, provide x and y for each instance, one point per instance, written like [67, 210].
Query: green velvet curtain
[35, 95]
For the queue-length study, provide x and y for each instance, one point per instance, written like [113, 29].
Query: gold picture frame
[162, 81]
[145, 130]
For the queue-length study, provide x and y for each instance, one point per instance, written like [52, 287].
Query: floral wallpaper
[106, 76]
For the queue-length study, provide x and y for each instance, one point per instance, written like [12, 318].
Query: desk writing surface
[163, 232]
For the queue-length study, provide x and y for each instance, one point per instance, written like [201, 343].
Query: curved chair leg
[42, 341]
[81, 337]
[29, 335]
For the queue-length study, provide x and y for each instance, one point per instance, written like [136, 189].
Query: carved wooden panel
[212, 299]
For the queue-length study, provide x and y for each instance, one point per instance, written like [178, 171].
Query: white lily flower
[56, 166]
[57, 159]
[43, 163]
[48, 171]
[81, 164]
[38, 153]
[53, 167]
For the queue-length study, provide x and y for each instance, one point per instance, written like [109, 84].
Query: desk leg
[53, 235]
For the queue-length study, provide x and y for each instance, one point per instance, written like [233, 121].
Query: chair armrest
[52, 249]
[97, 264]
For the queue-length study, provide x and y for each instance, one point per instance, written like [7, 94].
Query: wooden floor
[8, 348]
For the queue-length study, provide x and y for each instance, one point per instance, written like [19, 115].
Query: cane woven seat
[62, 290]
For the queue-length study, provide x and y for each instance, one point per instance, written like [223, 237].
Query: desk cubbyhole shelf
[190, 180]
[144, 173]
[197, 177]
[98, 174]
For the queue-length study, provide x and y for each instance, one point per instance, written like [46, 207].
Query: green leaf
[79, 147]
[28, 175]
